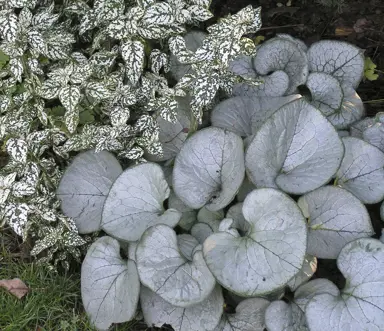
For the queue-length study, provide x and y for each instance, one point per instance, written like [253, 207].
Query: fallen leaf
[343, 31]
[15, 286]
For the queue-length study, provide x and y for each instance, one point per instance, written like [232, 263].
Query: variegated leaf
[158, 60]
[155, 149]
[69, 97]
[120, 29]
[88, 22]
[31, 174]
[119, 115]
[48, 241]
[16, 68]
[204, 89]
[5, 103]
[37, 42]
[202, 3]
[6, 183]
[71, 119]
[228, 50]
[98, 91]
[166, 107]
[17, 149]
[44, 20]
[16, 216]
[50, 89]
[135, 153]
[8, 25]
[133, 54]
[25, 18]
[34, 66]
[160, 13]
[21, 189]
[108, 10]
[199, 13]
[144, 122]
[178, 48]
[145, 3]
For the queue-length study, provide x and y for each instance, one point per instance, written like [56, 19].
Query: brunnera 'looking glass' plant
[224, 230]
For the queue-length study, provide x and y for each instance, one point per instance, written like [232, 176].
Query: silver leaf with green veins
[182, 283]
[110, 286]
[209, 169]
[135, 203]
[268, 255]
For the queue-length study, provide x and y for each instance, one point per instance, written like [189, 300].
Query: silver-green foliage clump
[242, 209]
[79, 75]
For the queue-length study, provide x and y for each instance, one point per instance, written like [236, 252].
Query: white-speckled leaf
[374, 134]
[340, 104]
[85, 186]
[109, 285]
[188, 215]
[297, 150]
[187, 244]
[335, 217]
[362, 170]
[274, 85]
[193, 40]
[164, 270]
[135, 203]
[249, 316]
[204, 316]
[209, 169]
[269, 254]
[245, 115]
[173, 135]
[360, 305]
[306, 272]
[282, 316]
[282, 54]
[342, 60]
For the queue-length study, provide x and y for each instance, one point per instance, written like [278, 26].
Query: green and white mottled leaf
[245, 115]
[17, 149]
[37, 42]
[209, 169]
[50, 89]
[282, 316]
[202, 317]
[342, 60]
[199, 13]
[362, 170]
[268, 255]
[340, 104]
[160, 13]
[69, 97]
[110, 286]
[16, 215]
[360, 305]
[135, 203]
[16, 68]
[282, 54]
[249, 316]
[335, 217]
[98, 91]
[297, 150]
[188, 215]
[8, 26]
[119, 115]
[182, 283]
[6, 183]
[132, 52]
[84, 187]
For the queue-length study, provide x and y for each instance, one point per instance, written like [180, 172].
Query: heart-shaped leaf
[245, 115]
[339, 59]
[85, 186]
[110, 286]
[209, 169]
[360, 305]
[188, 215]
[290, 316]
[187, 244]
[249, 316]
[164, 270]
[268, 255]
[335, 217]
[340, 104]
[135, 202]
[202, 317]
[296, 150]
[362, 170]
[236, 214]
[208, 223]
[282, 54]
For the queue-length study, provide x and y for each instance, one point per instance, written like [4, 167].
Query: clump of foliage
[78, 75]
[274, 181]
